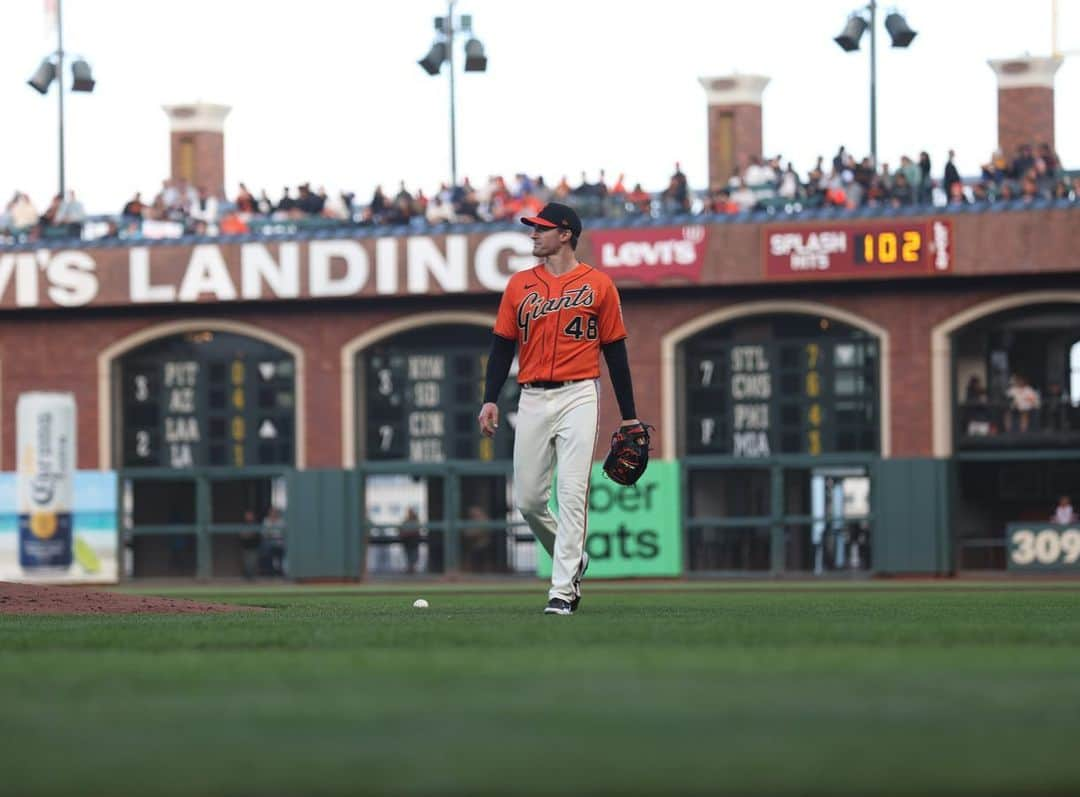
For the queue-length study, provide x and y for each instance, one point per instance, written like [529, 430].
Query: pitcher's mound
[36, 599]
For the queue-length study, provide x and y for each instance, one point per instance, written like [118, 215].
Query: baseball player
[561, 313]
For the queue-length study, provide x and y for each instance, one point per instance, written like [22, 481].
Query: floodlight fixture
[853, 31]
[899, 30]
[43, 77]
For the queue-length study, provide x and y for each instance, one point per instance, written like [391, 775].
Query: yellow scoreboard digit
[888, 246]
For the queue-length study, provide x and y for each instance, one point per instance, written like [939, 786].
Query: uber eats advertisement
[633, 531]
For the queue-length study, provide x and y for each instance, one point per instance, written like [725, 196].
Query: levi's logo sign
[651, 254]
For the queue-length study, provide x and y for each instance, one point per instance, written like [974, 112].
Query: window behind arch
[771, 385]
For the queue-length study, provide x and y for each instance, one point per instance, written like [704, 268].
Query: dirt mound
[35, 599]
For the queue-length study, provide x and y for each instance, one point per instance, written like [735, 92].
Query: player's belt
[550, 385]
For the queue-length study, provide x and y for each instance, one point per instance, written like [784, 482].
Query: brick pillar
[1025, 101]
[734, 123]
[197, 144]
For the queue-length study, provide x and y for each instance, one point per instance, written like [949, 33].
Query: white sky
[328, 91]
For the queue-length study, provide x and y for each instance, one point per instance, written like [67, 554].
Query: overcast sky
[329, 91]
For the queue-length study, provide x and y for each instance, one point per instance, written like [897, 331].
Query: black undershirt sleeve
[498, 366]
[619, 368]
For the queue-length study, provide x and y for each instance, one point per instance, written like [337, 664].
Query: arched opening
[780, 426]
[1015, 433]
[426, 468]
[205, 425]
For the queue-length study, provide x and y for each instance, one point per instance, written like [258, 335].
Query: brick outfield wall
[58, 349]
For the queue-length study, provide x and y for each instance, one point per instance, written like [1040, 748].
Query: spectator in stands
[742, 195]
[839, 161]
[1029, 187]
[245, 201]
[957, 195]
[758, 173]
[1023, 161]
[1064, 513]
[1023, 401]
[640, 200]
[468, 208]
[205, 209]
[676, 196]
[1049, 158]
[264, 204]
[952, 174]
[308, 203]
[789, 187]
[48, 218]
[912, 175]
[720, 202]
[71, 214]
[379, 205]
[926, 183]
[286, 204]
[439, 211]
[980, 192]
[902, 193]
[997, 169]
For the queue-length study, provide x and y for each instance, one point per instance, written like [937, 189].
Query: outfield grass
[951, 689]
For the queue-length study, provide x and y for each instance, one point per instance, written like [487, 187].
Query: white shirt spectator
[71, 211]
[23, 212]
[759, 174]
[741, 195]
[1064, 514]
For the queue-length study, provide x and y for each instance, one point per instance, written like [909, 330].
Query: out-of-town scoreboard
[797, 396]
[207, 398]
[421, 400]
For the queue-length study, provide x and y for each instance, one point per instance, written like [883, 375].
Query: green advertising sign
[633, 531]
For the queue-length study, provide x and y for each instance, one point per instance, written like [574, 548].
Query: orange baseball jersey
[560, 323]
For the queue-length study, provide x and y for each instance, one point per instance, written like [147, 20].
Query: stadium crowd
[760, 184]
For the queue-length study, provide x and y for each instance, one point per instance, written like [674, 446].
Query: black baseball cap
[555, 215]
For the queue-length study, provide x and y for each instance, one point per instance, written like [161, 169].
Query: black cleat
[577, 583]
[558, 606]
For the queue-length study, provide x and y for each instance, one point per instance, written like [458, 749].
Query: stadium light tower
[442, 50]
[52, 67]
[900, 33]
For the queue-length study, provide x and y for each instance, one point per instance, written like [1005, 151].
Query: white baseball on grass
[420, 603]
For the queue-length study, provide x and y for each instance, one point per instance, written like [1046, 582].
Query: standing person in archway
[561, 313]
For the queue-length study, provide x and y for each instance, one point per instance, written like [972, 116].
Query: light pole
[900, 33]
[52, 66]
[443, 50]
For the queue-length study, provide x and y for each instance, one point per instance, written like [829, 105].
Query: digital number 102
[888, 247]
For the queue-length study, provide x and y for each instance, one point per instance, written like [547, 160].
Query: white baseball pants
[556, 427]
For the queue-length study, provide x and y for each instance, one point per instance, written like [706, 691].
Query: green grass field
[874, 688]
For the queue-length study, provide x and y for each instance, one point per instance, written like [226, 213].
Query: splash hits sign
[651, 254]
[917, 249]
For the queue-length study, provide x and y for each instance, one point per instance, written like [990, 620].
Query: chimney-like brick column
[1025, 101]
[734, 123]
[197, 144]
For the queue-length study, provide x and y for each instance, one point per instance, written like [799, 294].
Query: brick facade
[999, 254]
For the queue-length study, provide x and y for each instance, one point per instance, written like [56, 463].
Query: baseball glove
[629, 455]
